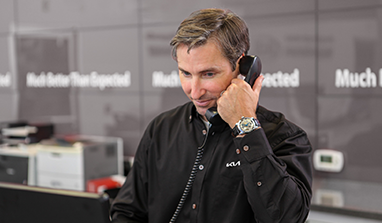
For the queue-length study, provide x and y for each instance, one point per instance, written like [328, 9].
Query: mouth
[203, 103]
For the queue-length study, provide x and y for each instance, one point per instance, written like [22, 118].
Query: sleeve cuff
[254, 146]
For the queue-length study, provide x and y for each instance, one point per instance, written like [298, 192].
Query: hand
[238, 100]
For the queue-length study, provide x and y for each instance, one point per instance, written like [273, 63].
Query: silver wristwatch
[245, 125]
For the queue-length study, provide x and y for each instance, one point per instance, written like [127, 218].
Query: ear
[238, 63]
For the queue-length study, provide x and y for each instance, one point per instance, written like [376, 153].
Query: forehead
[211, 44]
[208, 54]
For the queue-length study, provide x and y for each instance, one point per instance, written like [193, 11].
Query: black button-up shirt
[262, 177]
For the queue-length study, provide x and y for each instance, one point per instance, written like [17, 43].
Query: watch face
[247, 125]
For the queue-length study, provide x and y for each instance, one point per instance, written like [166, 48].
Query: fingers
[258, 84]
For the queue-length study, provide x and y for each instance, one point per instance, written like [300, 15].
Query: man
[189, 170]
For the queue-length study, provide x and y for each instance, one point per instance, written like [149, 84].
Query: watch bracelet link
[236, 130]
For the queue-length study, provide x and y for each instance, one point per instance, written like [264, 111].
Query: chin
[201, 111]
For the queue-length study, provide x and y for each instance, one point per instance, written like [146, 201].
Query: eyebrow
[184, 71]
[212, 69]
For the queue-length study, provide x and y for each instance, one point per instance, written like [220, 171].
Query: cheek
[218, 85]
[186, 85]
[214, 87]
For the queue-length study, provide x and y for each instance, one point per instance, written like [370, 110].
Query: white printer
[17, 165]
[69, 164]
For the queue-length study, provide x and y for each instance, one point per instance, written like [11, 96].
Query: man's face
[204, 73]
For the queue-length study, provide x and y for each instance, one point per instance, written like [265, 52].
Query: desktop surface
[21, 203]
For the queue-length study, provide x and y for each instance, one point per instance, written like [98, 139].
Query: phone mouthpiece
[211, 113]
[213, 116]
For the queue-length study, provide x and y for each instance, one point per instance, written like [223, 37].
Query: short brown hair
[223, 26]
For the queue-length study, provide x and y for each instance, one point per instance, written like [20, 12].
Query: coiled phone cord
[190, 181]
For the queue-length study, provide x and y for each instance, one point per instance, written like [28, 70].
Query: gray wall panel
[170, 11]
[157, 56]
[285, 45]
[346, 4]
[53, 14]
[349, 86]
[109, 51]
[256, 8]
[352, 125]
[6, 16]
[352, 42]
[8, 93]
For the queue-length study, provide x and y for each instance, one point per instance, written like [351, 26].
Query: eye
[209, 74]
[185, 73]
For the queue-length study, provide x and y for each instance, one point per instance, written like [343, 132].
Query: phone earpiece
[250, 67]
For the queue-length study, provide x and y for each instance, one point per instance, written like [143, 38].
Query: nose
[197, 89]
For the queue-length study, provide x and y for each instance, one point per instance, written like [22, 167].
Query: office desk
[354, 199]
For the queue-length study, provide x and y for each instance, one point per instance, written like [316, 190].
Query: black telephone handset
[250, 67]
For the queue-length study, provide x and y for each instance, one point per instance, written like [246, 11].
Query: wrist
[240, 136]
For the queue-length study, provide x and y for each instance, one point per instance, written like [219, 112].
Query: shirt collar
[193, 113]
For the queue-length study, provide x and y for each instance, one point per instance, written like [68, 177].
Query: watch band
[235, 131]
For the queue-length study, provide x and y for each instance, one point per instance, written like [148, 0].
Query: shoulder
[173, 116]
[180, 112]
[276, 127]
[269, 117]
